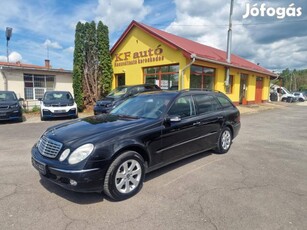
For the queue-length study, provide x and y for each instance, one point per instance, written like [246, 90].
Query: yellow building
[147, 55]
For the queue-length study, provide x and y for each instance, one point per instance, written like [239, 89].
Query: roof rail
[199, 89]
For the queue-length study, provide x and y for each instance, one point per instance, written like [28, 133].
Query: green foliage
[78, 66]
[35, 109]
[294, 80]
[92, 71]
[104, 57]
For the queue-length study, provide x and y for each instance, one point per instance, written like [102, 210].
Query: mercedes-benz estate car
[119, 94]
[112, 152]
[10, 107]
[58, 104]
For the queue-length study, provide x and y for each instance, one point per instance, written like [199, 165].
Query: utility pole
[229, 39]
[8, 34]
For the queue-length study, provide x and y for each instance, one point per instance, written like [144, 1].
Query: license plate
[59, 111]
[39, 166]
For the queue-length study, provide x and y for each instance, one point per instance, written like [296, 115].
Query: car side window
[224, 102]
[182, 107]
[205, 103]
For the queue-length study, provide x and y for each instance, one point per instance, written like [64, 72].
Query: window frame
[158, 73]
[31, 92]
[203, 74]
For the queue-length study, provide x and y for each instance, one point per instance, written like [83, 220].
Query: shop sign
[139, 57]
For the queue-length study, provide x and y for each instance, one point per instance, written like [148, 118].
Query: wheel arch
[136, 148]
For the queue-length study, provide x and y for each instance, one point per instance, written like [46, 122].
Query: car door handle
[196, 123]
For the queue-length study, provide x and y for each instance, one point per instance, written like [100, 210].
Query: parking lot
[259, 184]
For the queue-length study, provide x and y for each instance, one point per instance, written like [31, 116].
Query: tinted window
[143, 106]
[7, 96]
[58, 96]
[205, 103]
[224, 102]
[183, 107]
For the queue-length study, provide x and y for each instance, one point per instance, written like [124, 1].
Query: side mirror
[40, 99]
[21, 99]
[171, 119]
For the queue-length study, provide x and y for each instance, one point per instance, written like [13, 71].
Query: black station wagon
[112, 152]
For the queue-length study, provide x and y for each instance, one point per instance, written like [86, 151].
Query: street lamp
[8, 34]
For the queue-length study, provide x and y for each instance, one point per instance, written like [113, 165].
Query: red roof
[20, 65]
[190, 47]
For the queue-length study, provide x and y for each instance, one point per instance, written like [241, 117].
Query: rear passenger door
[211, 119]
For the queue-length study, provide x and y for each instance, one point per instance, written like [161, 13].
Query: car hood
[87, 129]
[7, 103]
[57, 102]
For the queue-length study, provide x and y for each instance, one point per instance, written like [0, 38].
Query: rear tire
[224, 141]
[125, 176]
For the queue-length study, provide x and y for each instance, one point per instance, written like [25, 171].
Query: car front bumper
[79, 180]
[59, 112]
[10, 114]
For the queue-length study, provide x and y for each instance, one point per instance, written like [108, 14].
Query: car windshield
[118, 92]
[150, 106]
[57, 96]
[7, 96]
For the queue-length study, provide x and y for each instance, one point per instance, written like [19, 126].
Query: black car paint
[7, 112]
[159, 141]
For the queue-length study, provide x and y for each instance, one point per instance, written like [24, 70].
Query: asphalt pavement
[259, 184]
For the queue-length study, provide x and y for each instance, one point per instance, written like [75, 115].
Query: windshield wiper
[127, 116]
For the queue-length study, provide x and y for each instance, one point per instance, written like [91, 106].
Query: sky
[272, 33]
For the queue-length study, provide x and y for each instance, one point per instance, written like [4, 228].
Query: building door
[243, 85]
[259, 85]
[120, 79]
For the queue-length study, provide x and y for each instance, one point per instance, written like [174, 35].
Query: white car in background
[300, 96]
[58, 104]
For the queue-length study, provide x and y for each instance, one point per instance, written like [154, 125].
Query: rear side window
[225, 102]
[205, 103]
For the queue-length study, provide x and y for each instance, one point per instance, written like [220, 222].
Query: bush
[35, 109]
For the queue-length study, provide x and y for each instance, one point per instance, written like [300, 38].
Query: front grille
[59, 105]
[4, 106]
[49, 148]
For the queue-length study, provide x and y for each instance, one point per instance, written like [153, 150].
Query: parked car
[119, 94]
[282, 94]
[299, 96]
[112, 152]
[58, 104]
[10, 107]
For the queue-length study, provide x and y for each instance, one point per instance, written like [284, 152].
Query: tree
[92, 63]
[78, 63]
[294, 80]
[104, 57]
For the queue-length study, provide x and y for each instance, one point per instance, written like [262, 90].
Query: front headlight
[80, 153]
[14, 106]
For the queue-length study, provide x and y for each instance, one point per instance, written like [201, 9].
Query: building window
[202, 77]
[37, 85]
[229, 87]
[166, 77]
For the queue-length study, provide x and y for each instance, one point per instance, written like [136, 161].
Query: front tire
[224, 141]
[125, 176]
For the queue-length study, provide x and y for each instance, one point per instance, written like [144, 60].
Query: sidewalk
[246, 109]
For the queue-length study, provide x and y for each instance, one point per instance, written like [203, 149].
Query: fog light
[73, 182]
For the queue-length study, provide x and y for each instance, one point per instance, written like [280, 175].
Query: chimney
[47, 63]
